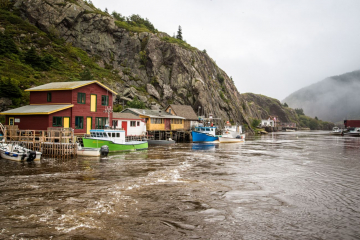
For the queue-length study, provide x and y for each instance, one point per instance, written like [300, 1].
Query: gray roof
[55, 86]
[151, 113]
[37, 109]
[185, 111]
[125, 115]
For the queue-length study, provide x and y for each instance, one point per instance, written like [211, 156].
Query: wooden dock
[55, 142]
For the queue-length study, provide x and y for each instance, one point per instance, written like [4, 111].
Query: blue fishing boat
[204, 134]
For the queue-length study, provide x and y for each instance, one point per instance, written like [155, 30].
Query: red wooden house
[80, 105]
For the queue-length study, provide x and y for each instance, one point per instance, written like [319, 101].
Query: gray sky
[269, 47]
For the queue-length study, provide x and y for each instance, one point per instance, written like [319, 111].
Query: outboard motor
[32, 156]
[104, 150]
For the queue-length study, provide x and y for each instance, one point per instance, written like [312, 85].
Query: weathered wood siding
[63, 97]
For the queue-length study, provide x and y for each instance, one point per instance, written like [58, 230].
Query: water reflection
[204, 146]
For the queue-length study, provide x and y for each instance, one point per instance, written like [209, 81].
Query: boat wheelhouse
[204, 134]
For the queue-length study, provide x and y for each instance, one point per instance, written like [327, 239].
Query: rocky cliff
[66, 37]
[156, 71]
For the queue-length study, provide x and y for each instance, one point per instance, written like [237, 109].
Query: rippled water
[302, 185]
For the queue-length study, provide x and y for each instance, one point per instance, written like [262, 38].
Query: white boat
[355, 132]
[18, 153]
[289, 130]
[114, 139]
[92, 152]
[232, 134]
[336, 131]
[160, 142]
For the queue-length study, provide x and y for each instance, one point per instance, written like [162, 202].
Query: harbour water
[296, 185]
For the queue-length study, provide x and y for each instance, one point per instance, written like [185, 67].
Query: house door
[167, 124]
[124, 126]
[92, 103]
[66, 122]
[88, 124]
[11, 121]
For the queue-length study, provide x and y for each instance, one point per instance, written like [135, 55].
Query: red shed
[351, 123]
[81, 105]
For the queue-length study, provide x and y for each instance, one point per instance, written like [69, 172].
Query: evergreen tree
[86, 75]
[179, 34]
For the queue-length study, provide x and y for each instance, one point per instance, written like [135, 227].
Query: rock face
[156, 71]
[161, 72]
[260, 107]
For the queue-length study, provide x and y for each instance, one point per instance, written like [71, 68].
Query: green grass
[179, 42]
[68, 61]
[131, 28]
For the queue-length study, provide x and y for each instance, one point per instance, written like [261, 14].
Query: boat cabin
[207, 130]
[117, 136]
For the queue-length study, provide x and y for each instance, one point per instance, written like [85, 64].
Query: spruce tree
[179, 34]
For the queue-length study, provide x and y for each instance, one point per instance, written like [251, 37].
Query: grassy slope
[67, 61]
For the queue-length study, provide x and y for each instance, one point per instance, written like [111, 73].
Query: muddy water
[279, 186]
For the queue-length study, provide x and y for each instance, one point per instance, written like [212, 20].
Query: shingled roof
[185, 111]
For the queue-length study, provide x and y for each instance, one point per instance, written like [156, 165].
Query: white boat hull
[227, 139]
[13, 156]
[89, 152]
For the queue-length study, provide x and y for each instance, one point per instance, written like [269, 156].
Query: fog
[333, 99]
[268, 47]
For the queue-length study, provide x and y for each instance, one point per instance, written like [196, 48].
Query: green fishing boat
[114, 139]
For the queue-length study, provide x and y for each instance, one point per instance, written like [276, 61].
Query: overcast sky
[269, 47]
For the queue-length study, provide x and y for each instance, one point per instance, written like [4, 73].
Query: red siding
[42, 122]
[352, 123]
[63, 96]
[31, 122]
[84, 109]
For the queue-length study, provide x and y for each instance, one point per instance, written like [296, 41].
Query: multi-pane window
[176, 121]
[101, 122]
[79, 122]
[157, 121]
[104, 100]
[132, 123]
[57, 122]
[49, 96]
[81, 98]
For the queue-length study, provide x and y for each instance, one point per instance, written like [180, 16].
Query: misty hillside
[332, 99]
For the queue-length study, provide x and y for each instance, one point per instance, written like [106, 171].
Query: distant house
[267, 123]
[186, 111]
[158, 119]
[80, 105]
[132, 124]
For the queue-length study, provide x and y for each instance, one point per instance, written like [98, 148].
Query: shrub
[136, 103]
[7, 45]
[255, 123]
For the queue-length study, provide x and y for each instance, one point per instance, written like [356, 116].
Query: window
[157, 120]
[100, 122]
[132, 123]
[138, 123]
[170, 110]
[105, 100]
[57, 122]
[81, 98]
[79, 122]
[49, 96]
